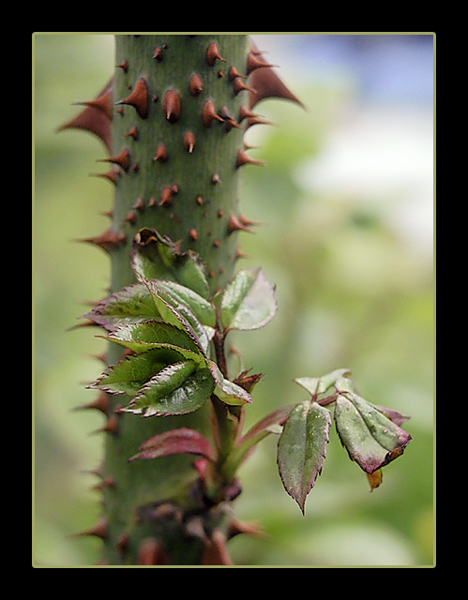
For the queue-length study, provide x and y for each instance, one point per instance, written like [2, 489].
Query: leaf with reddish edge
[131, 304]
[248, 302]
[177, 389]
[301, 449]
[371, 439]
[176, 441]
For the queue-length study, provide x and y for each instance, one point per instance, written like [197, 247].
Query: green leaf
[177, 389]
[248, 301]
[227, 391]
[130, 304]
[302, 449]
[319, 385]
[149, 335]
[156, 257]
[176, 441]
[131, 373]
[175, 311]
[371, 439]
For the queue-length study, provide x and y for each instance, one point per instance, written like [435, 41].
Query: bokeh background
[347, 204]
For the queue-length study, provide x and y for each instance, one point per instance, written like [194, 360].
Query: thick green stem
[175, 141]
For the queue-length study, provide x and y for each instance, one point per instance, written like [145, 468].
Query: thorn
[138, 98]
[212, 54]
[107, 482]
[130, 218]
[245, 113]
[99, 529]
[111, 175]
[240, 254]
[269, 85]
[171, 106]
[233, 73]
[166, 197]
[111, 426]
[216, 179]
[254, 63]
[215, 550]
[139, 205]
[193, 235]
[122, 159]
[257, 121]
[240, 87]
[133, 133]
[245, 221]
[151, 553]
[123, 65]
[101, 403]
[244, 159]
[161, 154]
[93, 120]
[158, 54]
[189, 141]
[108, 240]
[209, 114]
[235, 225]
[196, 85]
[103, 102]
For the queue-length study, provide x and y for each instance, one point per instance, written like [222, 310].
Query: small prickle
[99, 529]
[171, 106]
[209, 114]
[133, 133]
[122, 159]
[196, 85]
[161, 154]
[244, 159]
[255, 63]
[193, 235]
[212, 54]
[108, 240]
[235, 225]
[189, 141]
[138, 98]
[239, 86]
[166, 197]
[233, 73]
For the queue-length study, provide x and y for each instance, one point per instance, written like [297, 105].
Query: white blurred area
[380, 149]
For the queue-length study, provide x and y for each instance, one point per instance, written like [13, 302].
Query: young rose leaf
[132, 372]
[319, 385]
[248, 301]
[179, 294]
[177, 389]
[130, 304]
[302, 449]
[371, 439]
[227, 391]
[149, 335]
[175, 311]
[176, 441]
[156, 257]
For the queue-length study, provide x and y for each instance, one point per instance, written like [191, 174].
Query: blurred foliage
[350, 292]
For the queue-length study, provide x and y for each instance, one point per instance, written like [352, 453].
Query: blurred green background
[346, 202]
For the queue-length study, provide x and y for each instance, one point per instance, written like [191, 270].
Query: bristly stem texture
[175, 139]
